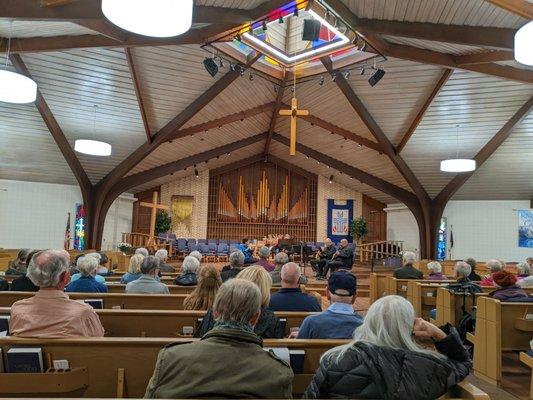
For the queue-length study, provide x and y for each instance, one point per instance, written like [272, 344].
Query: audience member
[523, 271]
[290, 296]
[76, 276]
[203, 295]
[385, 360]
[529, 261]
[50, 313]
[189, 268]
[408, 271]
[506, 287]
[526, 282]
[87, 283]
[162, 254]
[148, 283]
[473, 275]
[236, 264]
[280, 259]
[264, 252]
[103, 268]
[134, 269]
[244, 247]
[435, 273]
[229, 361]
[462, 273]
[4, 285]
[23, 283]
[325, 254]
[142, 251]
[493, 266]
[342, 259]
[196, 254]
[340, 320]
[18, 265]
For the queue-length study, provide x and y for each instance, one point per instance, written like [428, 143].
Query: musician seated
[245, 249]
[324, 255]
[342, 258]
[290, 297]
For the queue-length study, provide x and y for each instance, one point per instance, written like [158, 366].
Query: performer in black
[342, 259]
[324, 254]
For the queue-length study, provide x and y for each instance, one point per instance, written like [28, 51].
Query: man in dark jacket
[236, 264]
[290, 297]
[473, 276]
[408, 271]
[343, 258]
[325, 255]
[229, 361]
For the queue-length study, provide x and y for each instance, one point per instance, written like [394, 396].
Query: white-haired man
[50, 313]
[142, 251]
[408, 271]
[162, 254]
[148, 283]
[87, 282]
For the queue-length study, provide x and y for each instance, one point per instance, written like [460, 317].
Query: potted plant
[125, 248]
[358, 229]
[162, 222]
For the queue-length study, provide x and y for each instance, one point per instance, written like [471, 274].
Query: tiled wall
[199, 189]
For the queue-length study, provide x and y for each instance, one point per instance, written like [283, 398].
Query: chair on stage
[181, 247]
[232, 247]
[209, 255]
[222, 252]
[192, 247]
[209, 241]
[202, 241]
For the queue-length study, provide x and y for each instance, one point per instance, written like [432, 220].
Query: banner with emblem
[340, 214]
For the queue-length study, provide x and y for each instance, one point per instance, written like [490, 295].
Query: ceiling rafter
[275, 112]
[105, 28]
[416, 121]
[524, 8]
[484, 57]
[138, 92]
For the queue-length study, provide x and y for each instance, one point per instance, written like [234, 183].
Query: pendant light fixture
[14, 87]
[458, 164]
[93, 147]
[157, 18]
[523, 44]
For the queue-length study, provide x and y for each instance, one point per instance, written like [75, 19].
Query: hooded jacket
[366, 371]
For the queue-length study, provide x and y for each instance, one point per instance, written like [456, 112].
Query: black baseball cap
[342, 280]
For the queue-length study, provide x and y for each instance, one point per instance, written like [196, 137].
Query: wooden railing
[152, 243]
[379, 250]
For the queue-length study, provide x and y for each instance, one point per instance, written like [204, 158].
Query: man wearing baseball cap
[340, 320]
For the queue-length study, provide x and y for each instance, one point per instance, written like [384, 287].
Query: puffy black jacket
[366, 371]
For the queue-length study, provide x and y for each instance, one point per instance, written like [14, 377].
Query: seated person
[244, 247]
[99, 278]
[473, 263]
[462, 271]
[228, 360]
[507, 290]
[325, 254]
[340, 320]
[342, 259]
[103, 268]
[493, 266]
[87, 283]
[408, 271]
[391, 336]
[280, 260]
[148, 283]
[142, 251]
[162, 254]
[264, 252]
[23, 283]
[189, 267]
[50, 313]
[4, 285]
[268, 326]
[203, 295]
[18, 266]
[236, 264]
[435, 273]
[526, 282]
[134, 269]
[196, 254]
[290, 296]
[523, 271]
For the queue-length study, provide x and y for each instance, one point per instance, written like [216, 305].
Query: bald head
[290, 275]
[328, 242]
[344, 243]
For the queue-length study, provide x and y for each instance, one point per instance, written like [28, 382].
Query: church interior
[383, 144]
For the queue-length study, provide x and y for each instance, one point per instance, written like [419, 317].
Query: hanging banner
[79, 228]
[340, 215]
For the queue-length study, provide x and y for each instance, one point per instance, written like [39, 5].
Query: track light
[363, 48]
[280, 19]
[251, 77]
[220, 62]
[296, 11]
[210, 66]
[333, 77]
[196, 173]
[275, 89]
[307, 157]
[362, 71]
[232, 67]
[331, 179]
[228, 153]
[264, 25]
[326, 15]
[376, 77]
[321, 81]
[242, 71]
[238, 37]
[346, 74]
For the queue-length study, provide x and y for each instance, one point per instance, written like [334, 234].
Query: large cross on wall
[154, 206]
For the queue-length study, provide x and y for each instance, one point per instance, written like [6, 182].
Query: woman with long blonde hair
[203, 296]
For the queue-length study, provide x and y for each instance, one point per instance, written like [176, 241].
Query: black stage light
[346, 74]
[280, 19]
[295, 11]
[210, 66]
[321, 81]
[311, 31]
[265, 25]
[374, 79]
[331, 179]
[362, 71]
[196, 173]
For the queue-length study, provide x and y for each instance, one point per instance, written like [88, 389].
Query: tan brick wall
[190, 186]
[325, 191]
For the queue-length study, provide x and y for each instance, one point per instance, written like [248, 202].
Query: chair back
[204, 248]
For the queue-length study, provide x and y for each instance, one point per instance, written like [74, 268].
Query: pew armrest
[471, 337]
[466, 391]
[526, 359]
[523, 325]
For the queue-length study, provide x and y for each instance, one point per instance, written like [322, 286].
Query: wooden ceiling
[449, 63]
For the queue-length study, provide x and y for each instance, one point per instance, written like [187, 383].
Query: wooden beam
[138, 92]
[105, 28]
[55, 3]
[407, 135]
[484, 57]
[275, 112]
[524, 8]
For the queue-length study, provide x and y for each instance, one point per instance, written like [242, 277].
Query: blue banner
[340, 215]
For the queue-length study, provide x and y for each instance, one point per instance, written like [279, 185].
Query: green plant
[358, 228]
[162, 222]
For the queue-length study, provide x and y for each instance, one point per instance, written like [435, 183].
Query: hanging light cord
[9, 43]
[457, 143]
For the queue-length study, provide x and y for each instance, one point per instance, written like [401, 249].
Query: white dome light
[458, 165]
[158, 18]
[16, 88]
[523, 44]
[92, 147]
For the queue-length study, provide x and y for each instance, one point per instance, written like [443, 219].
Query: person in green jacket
[229, 360]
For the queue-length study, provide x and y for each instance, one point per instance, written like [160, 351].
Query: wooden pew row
[423, 297]
[164, 323]
[528, 360]
[122, 367]
[500, 327]
[401, 287]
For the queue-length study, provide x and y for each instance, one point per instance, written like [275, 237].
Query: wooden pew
[528, 360]
[500, 327]
[378, 286]
[400, 287]
[423, 297]
[173, 289]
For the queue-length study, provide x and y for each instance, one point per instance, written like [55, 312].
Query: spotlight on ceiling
[331, 179]
[362, 71]
[251, 77]
[346, 74]
[232, 67]
[333, 77]
[523, 39]
[275, 89]
[363, 48]
[265, 25]
[321, 81]
[211, 66]
[242, 71]
[280, 19]
[220, 62]
[92, 147]
[376, 77]
[161, 18]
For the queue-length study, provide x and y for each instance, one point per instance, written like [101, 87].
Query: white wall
[34, 214]
[481, 229]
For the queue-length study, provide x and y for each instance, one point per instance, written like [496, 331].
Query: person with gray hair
[189, 269]
[280, 260]
[408, 271]
[97, 277]
[50, 313]
[473, 264]
[142, 251]
[264, 253]
[493, 266]
[435, 271]
[147, 283]
[236, 264]
[196, 254]
[392, 336]
[18, 266]
[162, 254]
[87, 282]
[522, 271]
[231, 360]
[290, 297]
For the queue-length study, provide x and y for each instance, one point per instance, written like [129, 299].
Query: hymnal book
[281, 352]
[4, 325]
[283, 323]
[297, 360]
[25, 359]
[95, 303]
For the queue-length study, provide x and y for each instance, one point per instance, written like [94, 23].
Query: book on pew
[97, 304]
[295, 358]
[2, 369]
[283, 323]
[4, 325]
[25, 359]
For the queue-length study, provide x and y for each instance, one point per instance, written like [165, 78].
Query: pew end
[467, 391]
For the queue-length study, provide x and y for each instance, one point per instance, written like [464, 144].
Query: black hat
[342, 280]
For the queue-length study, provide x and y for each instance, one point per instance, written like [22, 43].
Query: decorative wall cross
[293, 113]
[154, 207]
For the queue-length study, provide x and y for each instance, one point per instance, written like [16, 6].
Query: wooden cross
[293, 113]
[154, 206]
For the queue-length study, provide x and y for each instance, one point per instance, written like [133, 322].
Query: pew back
[378, 286]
